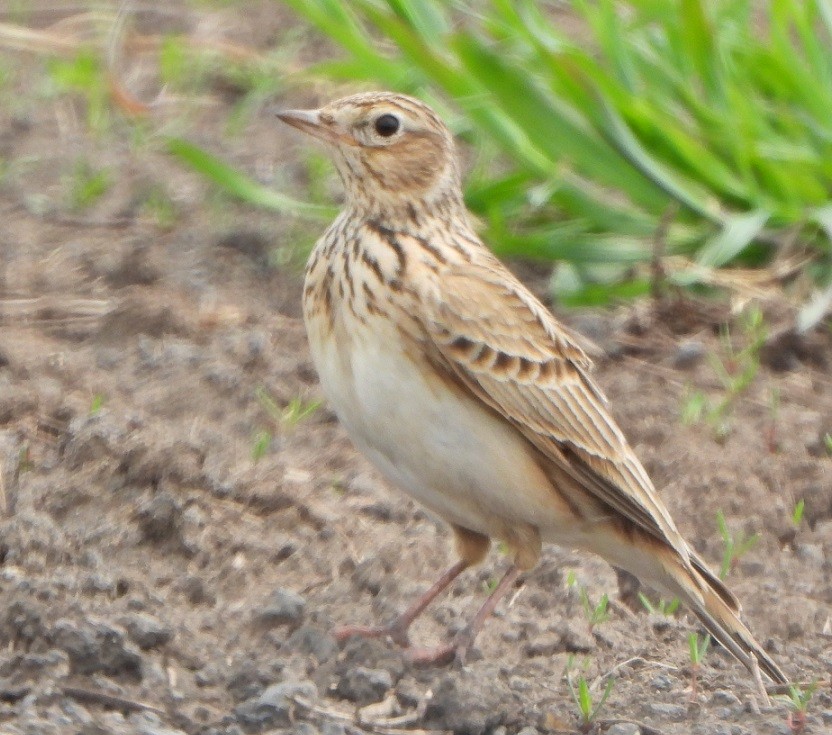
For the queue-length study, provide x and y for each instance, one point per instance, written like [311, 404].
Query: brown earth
[157, 578]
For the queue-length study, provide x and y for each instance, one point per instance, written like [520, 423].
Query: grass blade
[241, 186]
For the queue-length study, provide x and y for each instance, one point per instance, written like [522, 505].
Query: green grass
[797, 701]
[85, 185]
[734, 545]
[662, 607]
[588, 708]
[735, 367]
[584, 142]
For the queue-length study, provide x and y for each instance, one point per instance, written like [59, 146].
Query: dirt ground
[173, 553]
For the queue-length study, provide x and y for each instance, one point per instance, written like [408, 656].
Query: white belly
[441, 446]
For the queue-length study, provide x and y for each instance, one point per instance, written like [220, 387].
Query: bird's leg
[458, 649]
[397, 630]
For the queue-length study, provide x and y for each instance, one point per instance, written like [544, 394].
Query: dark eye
[387, 125]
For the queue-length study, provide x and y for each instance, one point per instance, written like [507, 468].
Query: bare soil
[158, 578]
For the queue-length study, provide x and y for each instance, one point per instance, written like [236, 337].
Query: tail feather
[717, 609]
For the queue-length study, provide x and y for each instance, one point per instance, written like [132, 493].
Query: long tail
[718, 610]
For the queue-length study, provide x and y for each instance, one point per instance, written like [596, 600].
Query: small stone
[274, 707]
[22, 622]
[724, 697]
[97, 647]
[575, 638]
[544, 645]
[812, 553]
[624, 728]
[247, 681]
[474, 707]
[147, 631]
[195, 590]
[671, 712]
[160, 519]
[284, 607]
[529, 731]
[661, 682]
[369, 575]
[688, 354]
[309, 639]
[364, 686]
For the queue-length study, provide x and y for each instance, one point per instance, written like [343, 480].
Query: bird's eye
[387, 125]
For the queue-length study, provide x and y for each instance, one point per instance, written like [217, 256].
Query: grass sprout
[734, 546]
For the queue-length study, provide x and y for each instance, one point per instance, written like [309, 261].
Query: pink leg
[397, 630]
[458, 649]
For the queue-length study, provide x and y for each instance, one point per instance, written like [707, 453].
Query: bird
[464, 390]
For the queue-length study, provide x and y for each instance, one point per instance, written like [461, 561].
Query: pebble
[624, 728]
[96, 647]
[464, 704]
[284, 607]
[247, 681]
[576, 638]
[311, 640]
[662, 683]
[364, 686]
[688, 354]
[369, 575]
[672, 712]
[147, 631]
[274, 707]
[724, 697]
[812, 553]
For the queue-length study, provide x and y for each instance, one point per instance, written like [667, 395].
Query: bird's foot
[395, 632]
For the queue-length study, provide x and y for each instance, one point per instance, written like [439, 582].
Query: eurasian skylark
[463, 389]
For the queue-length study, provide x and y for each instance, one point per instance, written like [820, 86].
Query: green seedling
[260, 444]
[291, 415]
[697, 647]
[797, 512]
[25, 463]
[297, 410]
[662, 607]
[490, 584]
[159, 207]
[736, 370]
[827, 442]
[96, 404]
[694, 406]
[798, 703]
[588, 709]
[86, 185]
[734, 547]
[84, 74]
[595, 614]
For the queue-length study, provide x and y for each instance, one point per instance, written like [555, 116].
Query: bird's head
[388, 148]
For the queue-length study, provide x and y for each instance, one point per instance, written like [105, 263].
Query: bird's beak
[316, 125]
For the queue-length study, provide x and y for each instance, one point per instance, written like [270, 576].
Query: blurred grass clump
[605, 131]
